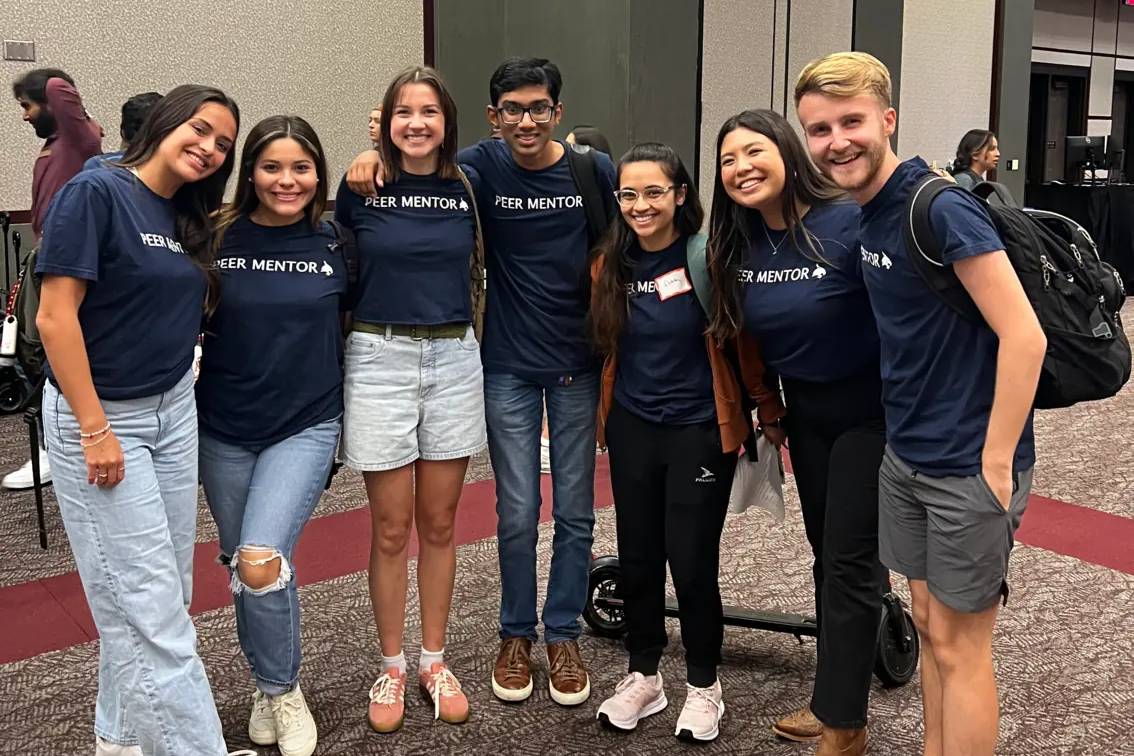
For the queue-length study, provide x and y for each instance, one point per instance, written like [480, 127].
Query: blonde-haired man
[957, 395]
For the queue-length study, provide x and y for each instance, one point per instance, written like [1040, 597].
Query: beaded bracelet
[93, 443]
[98, 432]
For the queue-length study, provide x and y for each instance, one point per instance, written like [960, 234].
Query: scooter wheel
[13, 395]
[607, 621]
[898, 644]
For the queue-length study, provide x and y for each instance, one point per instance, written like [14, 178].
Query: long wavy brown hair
[730, 224]
[608, 299]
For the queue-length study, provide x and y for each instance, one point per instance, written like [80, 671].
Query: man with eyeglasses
[535, 349]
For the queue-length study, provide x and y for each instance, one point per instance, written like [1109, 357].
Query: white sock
[399, 661]
[428, 658]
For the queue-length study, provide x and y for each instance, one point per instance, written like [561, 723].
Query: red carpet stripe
[51, 614]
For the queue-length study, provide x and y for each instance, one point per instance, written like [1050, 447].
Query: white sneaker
[700, 718]
[21, 479]
[261, 722]
[295, 727]
[244, 752]
[634, 699]
[106, 748]
[545, 456]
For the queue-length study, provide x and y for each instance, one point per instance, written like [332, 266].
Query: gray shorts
[951, 532]
[408, 399]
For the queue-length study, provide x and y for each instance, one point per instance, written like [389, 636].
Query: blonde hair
[845, 74]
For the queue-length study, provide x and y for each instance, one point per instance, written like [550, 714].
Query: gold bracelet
[94, 443]
[98, 432]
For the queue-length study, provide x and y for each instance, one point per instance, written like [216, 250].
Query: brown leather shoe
[837, 742]
[567, 678]
[512, 675]
[800, 726]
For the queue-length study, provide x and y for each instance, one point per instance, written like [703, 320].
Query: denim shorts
[408, 399]
[949, 531]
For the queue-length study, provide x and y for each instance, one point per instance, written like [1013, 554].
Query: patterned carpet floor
[1064, 645]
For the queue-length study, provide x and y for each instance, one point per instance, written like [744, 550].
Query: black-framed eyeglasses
[651, 193]
[541, 112]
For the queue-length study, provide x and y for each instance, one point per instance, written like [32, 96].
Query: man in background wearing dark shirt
[52, 105]
[134, 112]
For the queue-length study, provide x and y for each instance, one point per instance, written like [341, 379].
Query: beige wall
[326, 61]
[946, 75]
[752, 52]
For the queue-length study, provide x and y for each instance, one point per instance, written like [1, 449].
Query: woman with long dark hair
[670, 415]
[270, 401]
[977, 154]
[784, 254]
[124, 249]
[414, 387]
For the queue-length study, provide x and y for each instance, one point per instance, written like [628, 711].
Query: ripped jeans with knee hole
[260, 499]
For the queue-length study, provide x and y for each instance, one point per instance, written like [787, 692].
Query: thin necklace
[775, 247]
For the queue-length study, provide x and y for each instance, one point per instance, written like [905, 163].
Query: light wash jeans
[133, 546]
[514, 410]
[262, 498]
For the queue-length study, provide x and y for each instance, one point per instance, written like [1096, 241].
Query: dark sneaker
[512, 675]
[567, 678]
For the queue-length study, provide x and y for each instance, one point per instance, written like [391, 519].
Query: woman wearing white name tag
[670, 416]
[414, 387]
[785, 247]
[270, 401]
[125, 255]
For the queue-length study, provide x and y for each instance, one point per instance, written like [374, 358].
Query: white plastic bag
[759, 484]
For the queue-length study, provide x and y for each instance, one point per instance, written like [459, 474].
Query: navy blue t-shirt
[938, 369]
[271, 364]
[664, 374]
[537, 258]
[414, 242]
[100, 161]
[142, 310]
[809, 309]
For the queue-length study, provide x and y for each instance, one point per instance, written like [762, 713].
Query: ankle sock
[398, 661]
[428, 658]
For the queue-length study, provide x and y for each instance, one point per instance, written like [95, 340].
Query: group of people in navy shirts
[908, 427]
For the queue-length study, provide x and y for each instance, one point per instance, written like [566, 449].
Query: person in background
[591, 137]
[374, 125]
[52, 105]
[134, 112]
[977, 154]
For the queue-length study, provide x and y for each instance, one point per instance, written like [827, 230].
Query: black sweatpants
[671, 485]
[836, 438]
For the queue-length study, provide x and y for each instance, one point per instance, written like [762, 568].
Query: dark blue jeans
[514, 411]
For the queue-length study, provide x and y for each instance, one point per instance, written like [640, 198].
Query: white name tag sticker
[672, 283]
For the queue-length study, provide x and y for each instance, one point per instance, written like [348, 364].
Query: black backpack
[1076, 296]
[597, 204]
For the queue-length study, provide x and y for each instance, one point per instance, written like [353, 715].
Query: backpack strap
[478, 280]
[584, 172]
[990, 191]
[924, 249]
[698, 268]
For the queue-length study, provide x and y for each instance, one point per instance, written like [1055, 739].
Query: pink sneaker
[634, 699]
[700, 718]
[388, 701]
[441, 686]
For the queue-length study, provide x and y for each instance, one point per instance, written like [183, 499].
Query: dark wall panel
[633, 82]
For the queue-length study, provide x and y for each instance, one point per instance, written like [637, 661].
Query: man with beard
[957, 396]
[52, 105]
